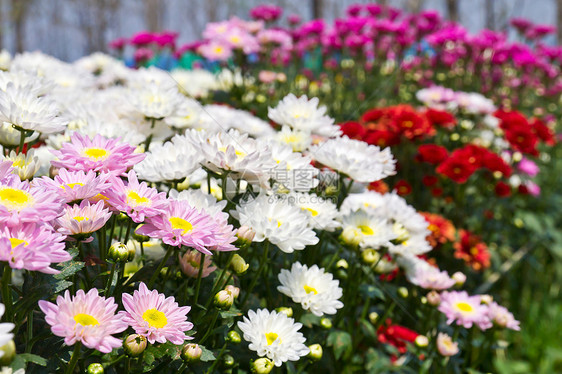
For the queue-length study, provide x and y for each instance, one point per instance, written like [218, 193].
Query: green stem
[102, 241]
[29, 343]
[218, 281]
[199, 277]
[263, 261]
[112, 231]
[129, 225]
[211, 327]
[74, 358]
[217, 360]
[110, 279]
[160, 266]
[182, 368]
[22, 140]
[6, 292]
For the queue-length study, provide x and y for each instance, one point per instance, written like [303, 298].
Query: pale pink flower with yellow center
[136, 199]
[190, 263]
[464, 309]
[87, 318]
[446, 346]
[98, 154]
[215, 51]
[74, 186]
[502, 317]
[155, 316]
[79, 221]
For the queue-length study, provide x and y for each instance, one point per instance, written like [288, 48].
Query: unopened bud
[191, 352]
[134, 345]
[342, 264]
[224, 299]
[118, 252]
[235, 291]
[233, 337]
[285, 310]
[239, 265]
[422, 341]
[228, 361]
[486, 299]
[423, 300]
[95, 368]
[245, 236]
[459, 278]
[402, 292]
[139, 237]
[315, 352]
[326, 323]
[373, 317]
[370, 256]
[262, 366]
[434, 298]
[8, 352]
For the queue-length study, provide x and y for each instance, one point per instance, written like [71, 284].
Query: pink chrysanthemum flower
[81, 220]
[155, 316]
[136, 199]
[190, 262]
[99, 154]
[33, 247]
[431, 278]
[6, 169]
[21, 202]
[464, 309]
[74, 186]
[182, 224]
[502, 317]
[87, 318]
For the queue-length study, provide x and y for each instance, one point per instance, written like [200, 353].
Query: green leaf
[28, 357]
[68, 269]
[368, 329]
[340, 341]
[62, 285]
[370, 291]
[206, 355]
[309, 319]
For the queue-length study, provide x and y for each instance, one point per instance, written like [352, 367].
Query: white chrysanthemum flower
[274, 219]
[474, 103]
[10, 137]
[23, 109]
[313, 288]
[151, 76]
[5, 60]
[296, 139]
[366, 200]
[322, 212]
[197, 83]
[249, 124]
[232, 152]
[37, 86]
[172, 161]
[156, 102]
[5, 335]
[305, 115]
[358, 160]
[293, 171]
[25, 165]
[274, 335]
[366, 230]
[186, 116]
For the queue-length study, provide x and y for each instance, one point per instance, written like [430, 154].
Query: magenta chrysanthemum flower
[87, 318]
[155, 316]
[136, 199]
[76, 185]
[182, 224]
[99, 154]
[464, 309]
[82, 220]
[33, 247]
[20, 202]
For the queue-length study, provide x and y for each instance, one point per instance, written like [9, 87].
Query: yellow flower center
[96, 153]
[155, 318]
[134, 198]
[238, 153]
[312, 211]
[71, 185]
[366, 230]
[85, 320]
[99, 197]
[271, 337]
[13, 198]
[309, 289]
[218, 49]
[464, 307]
[80, 218]
[15, 242]
[180, 223]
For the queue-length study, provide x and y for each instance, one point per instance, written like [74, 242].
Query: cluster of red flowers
[524, 135]
[396, 335]
[472, 250]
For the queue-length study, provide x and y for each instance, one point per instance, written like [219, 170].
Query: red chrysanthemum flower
[432, 153]
[396, 335]
[472, 250]
[440, 118]
[458, 169]
[442, 230]
[403, 188]
[502, 189]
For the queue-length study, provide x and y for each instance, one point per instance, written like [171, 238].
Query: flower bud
[326, 323]
[370, 256]
[262, 366]
[402, 292]
[239, 265]
[373, 317]
[235, 291]
[95, 368]
[434, 298]
[341, 274]
[118, 252]
[245, 236]
[486, 299]
[191, 352]
[139, 237]
[8, 351]
[315, 352]
[224, 299]
[422, 341]
[134, 345]
[459, 278]
[233, 337]
[342, 264]
[423, 300]
[285, 310]
[228, 361]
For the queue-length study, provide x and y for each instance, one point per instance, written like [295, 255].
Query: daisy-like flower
[5, 335]
[32, 247]
[74, 186]
[79, 221]
[23, 109]
[305, 115]
[276, 220]
[155, 316]
[446, 346]
[431, 278]
[294, 171]
[215, 51]
[136, 199]
[181, 224]
[502, 317]
[358, 160]
[187, 114]
[296, 139]
[85, 317]
[156, 102]
[274, 335]
[6, 171]
[313, 288]
[98, 154]
[20, 202]
[190, 263]
[366, 230]
[25, 165]
[464, 309]
[196, 83]
[322, 212]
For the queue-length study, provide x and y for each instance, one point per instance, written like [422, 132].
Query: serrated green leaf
[28, 357]
[69, 268]
[62, 285]
[206, 355]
